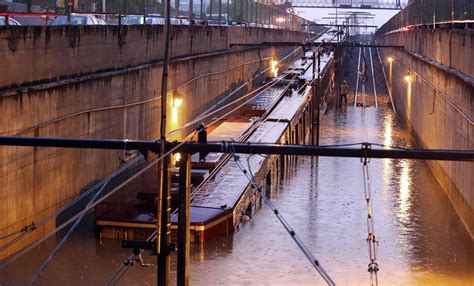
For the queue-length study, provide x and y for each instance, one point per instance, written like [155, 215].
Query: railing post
[191, 12]
[220, 11]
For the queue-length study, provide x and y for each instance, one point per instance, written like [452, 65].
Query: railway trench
[421, 238]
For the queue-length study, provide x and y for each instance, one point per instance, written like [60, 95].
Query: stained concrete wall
[51, 100]
[441, 119]
[32, 54]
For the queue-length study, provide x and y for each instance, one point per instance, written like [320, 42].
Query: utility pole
[163, 205]
[184, 219]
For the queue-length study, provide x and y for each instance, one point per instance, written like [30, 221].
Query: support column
[165, 235]
[184, 219]
[319, 94]
[313, 100]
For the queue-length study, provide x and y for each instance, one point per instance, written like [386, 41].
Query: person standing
[343, 92]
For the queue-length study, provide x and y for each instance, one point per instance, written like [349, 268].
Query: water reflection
[405, 189]
[422, 241]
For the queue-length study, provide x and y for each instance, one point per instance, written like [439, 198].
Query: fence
[248, 12]
[431, 12]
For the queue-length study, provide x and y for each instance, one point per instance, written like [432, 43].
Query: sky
[381, 16]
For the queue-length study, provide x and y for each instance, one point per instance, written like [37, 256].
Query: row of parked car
[91, 19]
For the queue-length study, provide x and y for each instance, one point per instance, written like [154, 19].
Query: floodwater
[422, 241]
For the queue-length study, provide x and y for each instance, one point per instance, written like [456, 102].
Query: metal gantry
[350, 4]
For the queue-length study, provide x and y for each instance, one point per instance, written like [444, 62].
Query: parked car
[11, 21]
[78, 19]
[32, 20]
[152, 19]
[139, 20]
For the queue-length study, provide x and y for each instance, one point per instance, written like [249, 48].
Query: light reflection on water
[422, 241]
[405, 187]
[421, 238]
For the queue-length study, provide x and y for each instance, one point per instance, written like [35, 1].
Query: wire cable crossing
[285, 224]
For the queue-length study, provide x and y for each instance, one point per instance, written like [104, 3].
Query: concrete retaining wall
[440, 119]
[118, 104]
[32, 54]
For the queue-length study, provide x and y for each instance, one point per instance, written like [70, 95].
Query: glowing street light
[408, 77]
[177, 99]
[390, 59]
[274, 67]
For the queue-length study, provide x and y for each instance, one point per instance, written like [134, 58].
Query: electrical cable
[80, 215]
[35, 243]
[316, 264]
[357, 79]
[386, 81]
[98, 109]
[202, 116]
[441, 94]
[27, 229]
[373, 77]
[210, 111]
[68, 234]
[118, 274]
[372, 240]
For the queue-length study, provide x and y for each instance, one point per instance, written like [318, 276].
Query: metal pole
[176, 6]
[184, 219]
[200, 7]
[163, 209]
[245, 148]
[318, 99]
[144, 12]
[313, 100]
[191, 12]
[220, 11]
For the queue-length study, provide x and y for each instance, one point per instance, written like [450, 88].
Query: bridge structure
[105, 81]
[351, 4]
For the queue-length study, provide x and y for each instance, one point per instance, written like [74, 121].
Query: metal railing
[430, 12]
[200, 12]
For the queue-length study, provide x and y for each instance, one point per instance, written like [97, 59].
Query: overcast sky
[381, 16]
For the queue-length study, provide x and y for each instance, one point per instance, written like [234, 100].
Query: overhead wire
[443, 95]
[316, 264]
[372, 240]
[66, 236]
[127, 263]
[50, 233]
[386, 81]
[94, 202]
[27, 229]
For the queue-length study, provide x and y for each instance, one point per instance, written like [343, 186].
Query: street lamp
[177, 99]
[408, 77]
